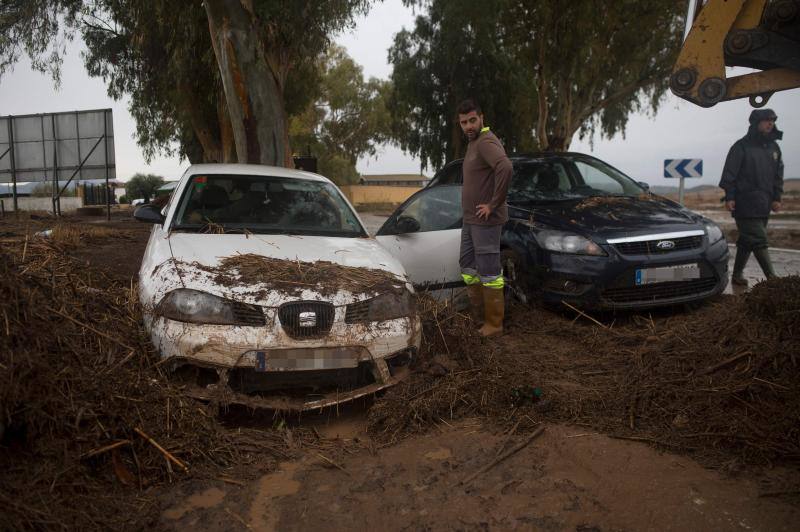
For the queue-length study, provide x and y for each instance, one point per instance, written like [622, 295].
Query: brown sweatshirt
[487, 173]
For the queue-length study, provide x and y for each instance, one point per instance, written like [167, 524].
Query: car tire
[515, 286]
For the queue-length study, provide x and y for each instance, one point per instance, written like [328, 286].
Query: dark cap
[762, 114]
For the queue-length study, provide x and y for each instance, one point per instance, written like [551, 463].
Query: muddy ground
[567, 479]
[446, 475]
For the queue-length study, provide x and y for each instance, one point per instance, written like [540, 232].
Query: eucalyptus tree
[543, 71]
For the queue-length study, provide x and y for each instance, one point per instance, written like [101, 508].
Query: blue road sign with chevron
[683, 167]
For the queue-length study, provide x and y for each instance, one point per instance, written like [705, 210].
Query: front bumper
[265, 367]
[609, 282]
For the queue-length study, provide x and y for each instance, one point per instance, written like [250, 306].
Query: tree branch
[626, 90]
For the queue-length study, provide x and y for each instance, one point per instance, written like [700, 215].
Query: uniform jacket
[753, 174]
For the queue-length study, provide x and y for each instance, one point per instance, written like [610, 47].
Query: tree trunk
[228, 146]
[456, 142]
[541, 97]
[253, 85]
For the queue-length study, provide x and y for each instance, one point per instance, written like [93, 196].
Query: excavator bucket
[759, 34]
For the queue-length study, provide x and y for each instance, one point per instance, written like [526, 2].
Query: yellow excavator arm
[758, 34]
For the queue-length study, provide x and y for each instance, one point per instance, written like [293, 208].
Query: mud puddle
[567, 479]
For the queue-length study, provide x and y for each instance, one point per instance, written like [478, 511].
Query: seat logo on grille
[665, 244]
[308, 319]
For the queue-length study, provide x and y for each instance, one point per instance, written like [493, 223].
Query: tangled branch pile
[457, 375]
[80, 393]
[721, 383]
[293, 276]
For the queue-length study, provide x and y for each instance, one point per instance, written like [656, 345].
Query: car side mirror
[644, 185]
[149, 213]
[406, 224]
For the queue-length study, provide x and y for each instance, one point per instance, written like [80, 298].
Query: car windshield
[568, 178]
[265, 204]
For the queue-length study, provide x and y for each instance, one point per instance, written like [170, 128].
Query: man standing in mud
[487, 173]
[753, 183]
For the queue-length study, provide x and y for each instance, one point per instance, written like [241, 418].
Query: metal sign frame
[61, 148]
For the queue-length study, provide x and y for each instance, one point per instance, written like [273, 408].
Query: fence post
[13, 163]
[105, 151]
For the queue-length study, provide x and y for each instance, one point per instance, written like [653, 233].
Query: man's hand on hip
[730, 205]
[483, 211]
[776, 206]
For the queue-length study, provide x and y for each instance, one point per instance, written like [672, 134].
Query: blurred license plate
[304, 359]
[666, 274]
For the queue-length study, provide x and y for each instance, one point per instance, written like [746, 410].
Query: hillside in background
[789, 185]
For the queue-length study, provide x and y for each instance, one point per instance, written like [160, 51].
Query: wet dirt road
[567, 479]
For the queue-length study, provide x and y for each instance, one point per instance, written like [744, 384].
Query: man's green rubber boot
[762, 256]
[739, 263]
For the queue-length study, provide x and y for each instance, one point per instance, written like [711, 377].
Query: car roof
[536, 156]
[253, 169]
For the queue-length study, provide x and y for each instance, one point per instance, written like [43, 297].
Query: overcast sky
[679, 130]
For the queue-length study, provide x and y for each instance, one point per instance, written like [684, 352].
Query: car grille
[357, 312]
[299, 383]
[306, 319]
[660, 291]
[248, 314]
[648, 247]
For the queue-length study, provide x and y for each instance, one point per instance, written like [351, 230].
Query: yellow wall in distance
[366, 195]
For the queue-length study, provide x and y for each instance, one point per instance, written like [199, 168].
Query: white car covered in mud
[261, 286]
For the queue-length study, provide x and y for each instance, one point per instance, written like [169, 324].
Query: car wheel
[512, 271]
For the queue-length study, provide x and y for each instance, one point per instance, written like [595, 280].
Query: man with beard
[487, 173]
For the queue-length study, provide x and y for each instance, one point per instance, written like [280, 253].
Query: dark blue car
[579, 231]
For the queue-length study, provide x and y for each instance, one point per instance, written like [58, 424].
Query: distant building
[394, 180]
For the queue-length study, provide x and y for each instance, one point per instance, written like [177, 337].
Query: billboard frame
[57, 189]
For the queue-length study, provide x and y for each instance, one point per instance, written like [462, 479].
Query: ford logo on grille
[665, 244]
[308, 319]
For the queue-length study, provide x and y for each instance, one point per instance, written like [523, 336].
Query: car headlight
[194, 306]
[564, 242]
[383, 307]
[714, 233]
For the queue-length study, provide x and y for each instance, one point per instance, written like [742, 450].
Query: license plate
[303, 359]
[666, 274]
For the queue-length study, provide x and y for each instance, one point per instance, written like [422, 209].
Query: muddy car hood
[192, 252]
[610, 217]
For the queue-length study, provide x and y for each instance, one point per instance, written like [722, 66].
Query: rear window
[265, 204]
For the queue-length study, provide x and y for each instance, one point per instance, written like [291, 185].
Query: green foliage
[159, 53]
[38, 28]
[348, 120]
[454, 53]
[123, 199]
[143, 186]
[542, 71]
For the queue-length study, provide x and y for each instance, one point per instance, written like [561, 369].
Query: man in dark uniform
[753, 183]
[487, 173]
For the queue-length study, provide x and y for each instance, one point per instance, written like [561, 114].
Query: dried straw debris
[293, 276]
[88, 422]
[721, 383]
